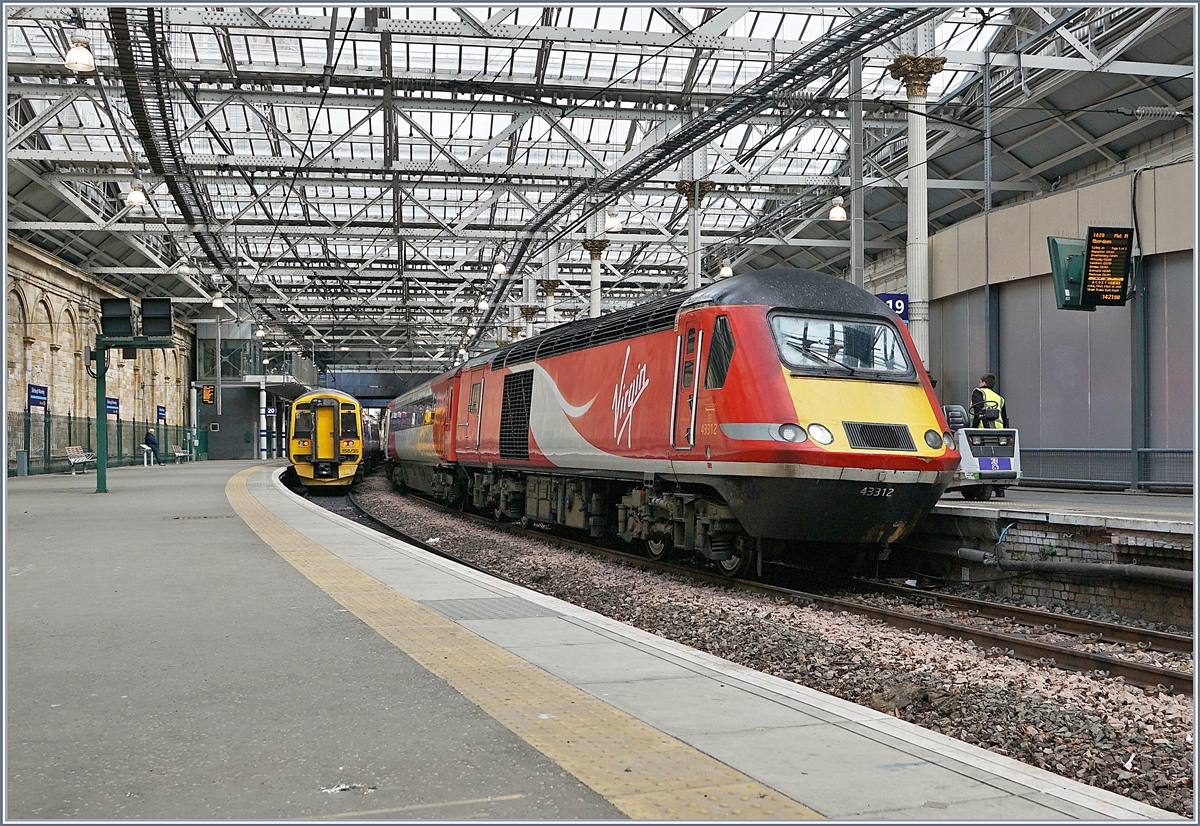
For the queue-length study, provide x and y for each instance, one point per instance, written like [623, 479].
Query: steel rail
[1044, 653]
[1062, 623]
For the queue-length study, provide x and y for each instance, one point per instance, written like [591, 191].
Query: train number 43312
[869, 491]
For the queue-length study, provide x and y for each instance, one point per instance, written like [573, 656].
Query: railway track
[1024, 646]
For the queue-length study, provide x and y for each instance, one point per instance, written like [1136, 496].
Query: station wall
[52, 313]
[1066, 375]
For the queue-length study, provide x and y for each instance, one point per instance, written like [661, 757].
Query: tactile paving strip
[643, 772]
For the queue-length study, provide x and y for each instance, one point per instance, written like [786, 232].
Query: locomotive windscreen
[514, 415]
[833, 346]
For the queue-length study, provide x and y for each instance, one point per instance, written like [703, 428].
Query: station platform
[200, 644]
[1166, 513]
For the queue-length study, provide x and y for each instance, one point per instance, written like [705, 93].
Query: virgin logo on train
[625, 399]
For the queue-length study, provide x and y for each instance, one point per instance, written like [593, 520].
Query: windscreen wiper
[806, 347]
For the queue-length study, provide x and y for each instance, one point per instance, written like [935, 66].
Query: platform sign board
[112, 406]
[270, 410]
[898, 302]
[38, 395]
[162, 414]
[1106, 266]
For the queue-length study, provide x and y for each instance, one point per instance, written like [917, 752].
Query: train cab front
[859, 451]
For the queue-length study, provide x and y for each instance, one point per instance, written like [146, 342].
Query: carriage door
[685, 383]
[470, 404]
[325, 431]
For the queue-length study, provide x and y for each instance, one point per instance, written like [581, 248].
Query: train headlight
[933, 439]
[792, 433]
[976, 440]
[947, 440]
[304, 443]
[820, 433]
[1004, 440]
[347, 443]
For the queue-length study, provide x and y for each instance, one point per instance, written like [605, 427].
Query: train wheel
[737, 565]
[660, 550]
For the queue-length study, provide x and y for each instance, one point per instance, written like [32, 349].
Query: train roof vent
[867, 435]
[651, 317]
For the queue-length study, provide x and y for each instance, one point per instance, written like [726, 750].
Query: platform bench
[77, 456]
[181, 455]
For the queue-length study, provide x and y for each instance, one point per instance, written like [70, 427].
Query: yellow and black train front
[823, 425]
[326, 441]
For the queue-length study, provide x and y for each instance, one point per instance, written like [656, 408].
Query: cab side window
[303, 427]
[349, 422]
[720, 353]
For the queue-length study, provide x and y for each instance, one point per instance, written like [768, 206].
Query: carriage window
[691, 341]
[476, 392]
[839, 346]
[303, 427]
[720, 353]
[349, 422]
[689, 369]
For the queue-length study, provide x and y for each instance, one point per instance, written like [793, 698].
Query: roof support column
[916, 73]
[595, 245]
[857, 192]
[550, 281]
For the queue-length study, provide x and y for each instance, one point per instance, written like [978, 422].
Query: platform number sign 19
[898, 302]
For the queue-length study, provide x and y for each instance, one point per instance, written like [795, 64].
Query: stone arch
[42, 349]
[153, 379]
[18, 333]
[70, 358]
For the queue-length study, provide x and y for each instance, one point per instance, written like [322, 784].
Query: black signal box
[116, 317]
[157, 318]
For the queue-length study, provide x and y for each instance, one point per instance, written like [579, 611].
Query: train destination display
[1106, 266]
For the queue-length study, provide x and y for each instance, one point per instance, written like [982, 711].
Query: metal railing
[1157, 468]
[45, 437]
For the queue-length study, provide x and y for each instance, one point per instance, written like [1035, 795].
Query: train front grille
[871, 436]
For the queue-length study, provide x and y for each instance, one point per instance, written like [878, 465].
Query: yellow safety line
[643, 772]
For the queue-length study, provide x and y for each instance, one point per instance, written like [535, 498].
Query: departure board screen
[1106, 266]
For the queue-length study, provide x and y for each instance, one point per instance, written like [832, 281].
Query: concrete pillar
[857, 192]
[262, 421]
[194, 439]
[916, 73]
[694, 191]
[596, 247]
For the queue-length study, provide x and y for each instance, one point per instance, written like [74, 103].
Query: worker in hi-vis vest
[987, 406]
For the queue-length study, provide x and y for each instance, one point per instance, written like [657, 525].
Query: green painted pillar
[101, 424]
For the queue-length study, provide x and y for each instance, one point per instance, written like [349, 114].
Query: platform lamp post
[118, 324]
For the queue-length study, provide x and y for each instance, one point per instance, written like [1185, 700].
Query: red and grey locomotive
[765, 411]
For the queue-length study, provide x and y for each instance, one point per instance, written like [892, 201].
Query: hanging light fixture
[261, 332]
[837, 212]
[471, 331]
[612, 221]
[483, 305]
[218, 302]
[499, 268]
[726, 268]
[137, 196]
[80, 58]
